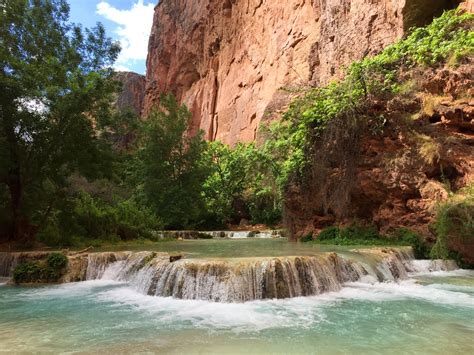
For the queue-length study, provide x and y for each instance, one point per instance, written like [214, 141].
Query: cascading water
[266, 234]
[5, 264]
[240, 280]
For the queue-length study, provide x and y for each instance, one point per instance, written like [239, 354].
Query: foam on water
[366, 316]
[238, 317]
[406, 289]
[302, 312]
[70, 290]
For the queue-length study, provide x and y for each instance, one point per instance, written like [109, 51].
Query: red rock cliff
[132, 93]
[226, 59]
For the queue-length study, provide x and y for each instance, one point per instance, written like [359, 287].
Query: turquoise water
[429, 314]
[236, 248]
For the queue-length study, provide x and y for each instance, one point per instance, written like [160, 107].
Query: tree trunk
[16, 195]
[14, 181]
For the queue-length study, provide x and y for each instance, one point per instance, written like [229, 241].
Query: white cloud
[133, 30]
[119, 67]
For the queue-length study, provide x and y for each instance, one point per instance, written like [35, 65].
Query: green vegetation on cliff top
[447, 39]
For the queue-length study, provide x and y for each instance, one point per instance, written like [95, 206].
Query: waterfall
[267, 234]
[6, 260]
[98, 263]
[240, 280]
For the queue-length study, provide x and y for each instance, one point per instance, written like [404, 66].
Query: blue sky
[128, 21]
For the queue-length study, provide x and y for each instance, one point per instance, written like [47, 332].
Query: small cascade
[390, 264]
[245, 234]
[426, 266]
[240, 280]
[193, 235]
[97, 263]
[6, 260]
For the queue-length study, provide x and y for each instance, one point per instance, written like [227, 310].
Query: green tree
[170, 168]
[243, 176]
[54, 80]
[229, 178]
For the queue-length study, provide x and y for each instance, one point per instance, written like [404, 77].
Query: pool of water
[235, 248]
[427, 314]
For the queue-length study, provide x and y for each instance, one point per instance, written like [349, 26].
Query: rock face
[133, 91]
[424, 153]
[227, 59]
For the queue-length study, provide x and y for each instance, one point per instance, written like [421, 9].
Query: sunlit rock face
[227, 60]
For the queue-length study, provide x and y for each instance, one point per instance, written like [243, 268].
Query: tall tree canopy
[170, 166]
[55, 96]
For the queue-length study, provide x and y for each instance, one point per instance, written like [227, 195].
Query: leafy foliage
[292, 140]
[361, 235]
[352, 235]
[84, 219]
[49, 270]
[421, 250]
[244, 175]
[169, 166]
[57, 261]
[454, 223]
[54, 78]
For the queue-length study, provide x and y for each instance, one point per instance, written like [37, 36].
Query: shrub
[439, 250]
[306, 239]
[359, 232]
[329, 233]
[454, 223]
[49, 270]
[84, 219]
[352, 235]
[242, 185]
[57, 261]
[420, 249]
[170, 169]
[27, 272]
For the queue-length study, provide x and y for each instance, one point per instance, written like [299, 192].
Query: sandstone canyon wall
[227, 59]
[133, 91]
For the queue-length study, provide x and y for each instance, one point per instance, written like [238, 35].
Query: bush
[241, 185]
[439, 250]
[455, 225]
[360, 232]
[329, 233]
[27, 272]
[264, 208]
[420, 249]
[57, 261]
[170, 167]
[306, 239]
[352, 235]
[134, 221]
[84, 219]
[49, 270]
[51, 235]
